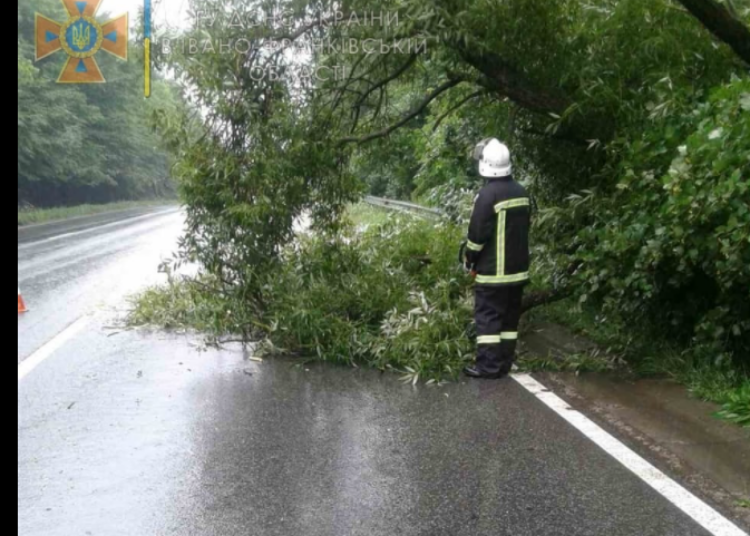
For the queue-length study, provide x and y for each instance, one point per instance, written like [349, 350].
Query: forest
[87, 143]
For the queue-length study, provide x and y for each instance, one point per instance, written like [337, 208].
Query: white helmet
[494, 159]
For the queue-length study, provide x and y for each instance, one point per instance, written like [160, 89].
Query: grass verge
[707, 376]
[30, 216]
[364, 215]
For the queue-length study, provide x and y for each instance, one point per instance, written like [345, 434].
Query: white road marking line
[703, 514]
[49, 348]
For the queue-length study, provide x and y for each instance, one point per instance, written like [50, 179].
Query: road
[68, 269]
[146, 433]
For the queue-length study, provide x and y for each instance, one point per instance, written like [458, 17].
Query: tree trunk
[723, 24]
[504, 79]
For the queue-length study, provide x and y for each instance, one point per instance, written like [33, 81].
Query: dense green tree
[606, 103]
[87, 143]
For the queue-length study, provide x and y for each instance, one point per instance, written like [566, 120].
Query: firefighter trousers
[497, 311]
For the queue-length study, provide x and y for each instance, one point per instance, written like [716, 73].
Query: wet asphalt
[146, 433]
[71, 268]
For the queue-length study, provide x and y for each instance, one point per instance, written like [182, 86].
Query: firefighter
[497, 251]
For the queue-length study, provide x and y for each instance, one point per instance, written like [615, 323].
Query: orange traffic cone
[21, 305]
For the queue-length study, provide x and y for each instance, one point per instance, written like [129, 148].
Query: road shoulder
[659, 420]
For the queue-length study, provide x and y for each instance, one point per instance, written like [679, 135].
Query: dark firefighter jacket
[498, 246]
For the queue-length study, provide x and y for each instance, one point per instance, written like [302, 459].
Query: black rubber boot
[474, 372]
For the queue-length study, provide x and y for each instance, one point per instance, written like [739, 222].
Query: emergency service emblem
[81, 37]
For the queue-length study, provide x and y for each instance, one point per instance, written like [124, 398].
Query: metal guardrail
[403, 206]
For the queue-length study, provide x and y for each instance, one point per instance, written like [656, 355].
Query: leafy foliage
[389, 296]
[627, 120]
[737, 406]
[672, 242]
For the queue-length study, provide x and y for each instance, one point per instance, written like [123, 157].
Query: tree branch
[401, 70]
[298, 32]
[557, 136]
[723, 24]
[445, 86]
[503, 78]
[543, 297]
[457, 106]
[345, 87]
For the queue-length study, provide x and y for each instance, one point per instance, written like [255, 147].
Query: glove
[470, 259]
